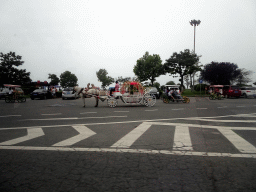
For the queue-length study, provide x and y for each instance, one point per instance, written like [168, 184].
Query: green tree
[170, 83]
[103, 78]
[182, 63]
[148, 68]
[67, 79]
[54, 79]
[9, 73]
[222, 73]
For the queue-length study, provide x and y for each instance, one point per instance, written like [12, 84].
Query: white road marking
[52, 114]
[201, 108]
[152, 110]
[32, 133]
[11, 116]
[222, 107]
[138, 121]
[71, 118]
[182, 139]
[84, 133]
[87, 112]
[179, 109]
[237, 115]
[241, 144]
[131, 137]
[227, 121]
[145, 151]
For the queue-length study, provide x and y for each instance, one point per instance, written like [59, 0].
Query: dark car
[41, 94]
[231, 91]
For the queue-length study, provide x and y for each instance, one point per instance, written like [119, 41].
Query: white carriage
[131, 93]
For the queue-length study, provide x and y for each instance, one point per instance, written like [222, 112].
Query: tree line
[184, 65]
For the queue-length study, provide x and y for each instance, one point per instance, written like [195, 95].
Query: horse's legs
[97, 101]
[83, 100]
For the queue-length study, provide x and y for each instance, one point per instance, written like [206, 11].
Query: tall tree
[222, 73]
[9, 73]
[244, 76]
[67, 79]
[157, 85]
[182, 63]
[103, 78]
[54, 79]
[186, 79]
[148, 68]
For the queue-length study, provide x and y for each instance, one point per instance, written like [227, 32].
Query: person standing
[53, 92]
[117, 87]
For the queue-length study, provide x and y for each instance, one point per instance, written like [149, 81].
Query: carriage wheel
[166, 100]
[112, 102]
[153, 100]
[148, 100]
[186, 99]
[8, 99]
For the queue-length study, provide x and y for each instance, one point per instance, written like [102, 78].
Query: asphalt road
[57, 145]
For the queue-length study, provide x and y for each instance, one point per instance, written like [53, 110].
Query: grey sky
[84, 36]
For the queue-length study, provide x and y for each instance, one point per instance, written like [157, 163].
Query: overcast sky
[85, 36]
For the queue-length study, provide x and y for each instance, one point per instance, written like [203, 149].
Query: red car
[231, 91]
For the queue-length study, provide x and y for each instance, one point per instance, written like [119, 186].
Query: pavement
[57, 145]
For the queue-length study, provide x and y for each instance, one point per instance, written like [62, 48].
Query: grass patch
[188, 93]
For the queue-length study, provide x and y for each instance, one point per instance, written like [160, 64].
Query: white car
[69, 93]
[4, 92]
[248, 92]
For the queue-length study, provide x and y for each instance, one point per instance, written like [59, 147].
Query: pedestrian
[53, 92]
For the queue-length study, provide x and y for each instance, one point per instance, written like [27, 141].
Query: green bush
[197, 87]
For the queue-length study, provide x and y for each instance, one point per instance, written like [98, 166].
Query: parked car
[41, 94]
[153, 91]
[248, 92]
[69, 93]
[231, 91]
[4, 92]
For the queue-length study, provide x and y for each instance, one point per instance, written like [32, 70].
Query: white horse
[89, 92]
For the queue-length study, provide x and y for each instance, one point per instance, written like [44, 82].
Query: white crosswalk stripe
[131, 137]
[84, 133]
[182, 139]
[241, 144]
[32, 133]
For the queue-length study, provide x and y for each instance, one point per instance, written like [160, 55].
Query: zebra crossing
[187, 139]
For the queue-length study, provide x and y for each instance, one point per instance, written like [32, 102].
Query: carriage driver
[117, 87]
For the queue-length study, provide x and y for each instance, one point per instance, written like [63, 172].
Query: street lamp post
[195, 23]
